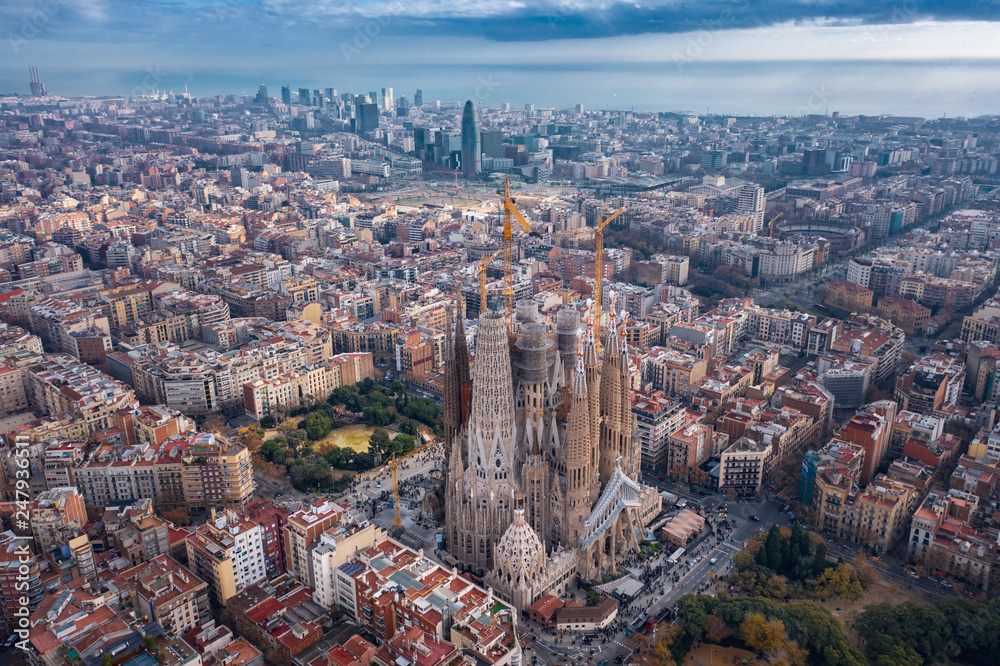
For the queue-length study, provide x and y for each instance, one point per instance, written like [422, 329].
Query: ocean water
[928, 88]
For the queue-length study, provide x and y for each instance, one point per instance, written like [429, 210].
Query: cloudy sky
[278, 36]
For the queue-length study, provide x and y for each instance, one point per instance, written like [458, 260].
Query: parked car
[755, 519]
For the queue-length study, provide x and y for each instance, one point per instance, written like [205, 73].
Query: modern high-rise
[366, 118]
[387, 100]
[286, 94]
[305, 98]
[752, 202]
[418, 98]
[261, 94]
[492, 143]
[37, 87]
[471, 150]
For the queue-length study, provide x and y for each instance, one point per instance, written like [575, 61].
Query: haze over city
[925, 58]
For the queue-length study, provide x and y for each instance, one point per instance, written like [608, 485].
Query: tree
[398, 387]
[316, 426]
[840, 581]
[267, 421]
[593, 598]
[773, 546]
[716, 629]
[271, 450]
[762, 635]
[378, 416]
[409, 427]
[378, 441]
[180, 516]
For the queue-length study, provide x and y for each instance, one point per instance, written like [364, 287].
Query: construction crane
[510, 212]
[770, 234]
[599, 274]
[397, 522]
[481, 272]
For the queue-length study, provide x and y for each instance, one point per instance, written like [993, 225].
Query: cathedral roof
[520, 552]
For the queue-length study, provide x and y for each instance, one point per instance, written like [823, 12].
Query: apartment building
[656, 416]
[303, 531]
[933, 383]
[675, 373]
[57, 383]
[336, 546]
[166, 592]
[904, 313]
[744, 467]
[847, 295]
[228, 553]
[878, 517]
[943, 538]
[57, 516]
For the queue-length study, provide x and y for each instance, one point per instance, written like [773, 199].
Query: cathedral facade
[542, 467]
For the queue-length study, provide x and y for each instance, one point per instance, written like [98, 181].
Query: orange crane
[481, 272]
[599, 275]
[510, 212]
[770, 234]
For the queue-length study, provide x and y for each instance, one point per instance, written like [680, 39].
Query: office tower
[471, 151]
[402, 107]
[713, 159]
[505, 106]
[423, 143]
[387, 101]
[529, 107]
[752, 202]
[304, 96]
[373, 97]
[814, 163]
[261, 94]
[366, 117]
[286, 94]
[418, 98]
[492, 143]
[37, 87]
[579, 108]
[331, 94]
[317, 98]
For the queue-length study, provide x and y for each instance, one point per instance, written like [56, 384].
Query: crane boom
[599, 275]
[481, 271]
[510, 212]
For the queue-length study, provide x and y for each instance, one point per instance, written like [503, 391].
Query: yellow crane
[770, 234]
[599, 275]
[397, 522]
[481, 272]
[510, 212]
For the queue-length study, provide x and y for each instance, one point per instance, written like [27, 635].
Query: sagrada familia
[542, 470]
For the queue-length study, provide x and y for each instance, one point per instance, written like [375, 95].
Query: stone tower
[579, 458]
[480, 496]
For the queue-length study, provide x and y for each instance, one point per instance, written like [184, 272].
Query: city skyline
[912, 58]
